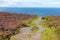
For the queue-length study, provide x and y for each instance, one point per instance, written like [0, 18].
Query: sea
[36, 11]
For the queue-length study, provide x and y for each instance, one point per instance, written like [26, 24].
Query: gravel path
[25, 32]
[38, 33]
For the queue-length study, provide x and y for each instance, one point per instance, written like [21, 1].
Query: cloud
[29, 3]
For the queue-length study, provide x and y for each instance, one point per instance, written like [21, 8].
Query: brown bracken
[9, 23]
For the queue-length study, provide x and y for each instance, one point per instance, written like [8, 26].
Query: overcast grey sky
[29, 3]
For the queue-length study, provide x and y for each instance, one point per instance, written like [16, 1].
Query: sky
[29, 3]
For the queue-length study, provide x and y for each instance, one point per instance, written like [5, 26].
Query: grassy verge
[30, 22]
[49, 34]
[51, 31]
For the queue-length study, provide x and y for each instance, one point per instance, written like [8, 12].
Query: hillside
[15, 26]
[10, 22]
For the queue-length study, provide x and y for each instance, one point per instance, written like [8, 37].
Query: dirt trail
[38, 33]
[25, 32]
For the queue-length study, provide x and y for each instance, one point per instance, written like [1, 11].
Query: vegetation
[10, 22]
[51, 28]
[30, 22]
[49, 34]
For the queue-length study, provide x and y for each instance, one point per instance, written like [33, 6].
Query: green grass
[49, 32]
[30, 22]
